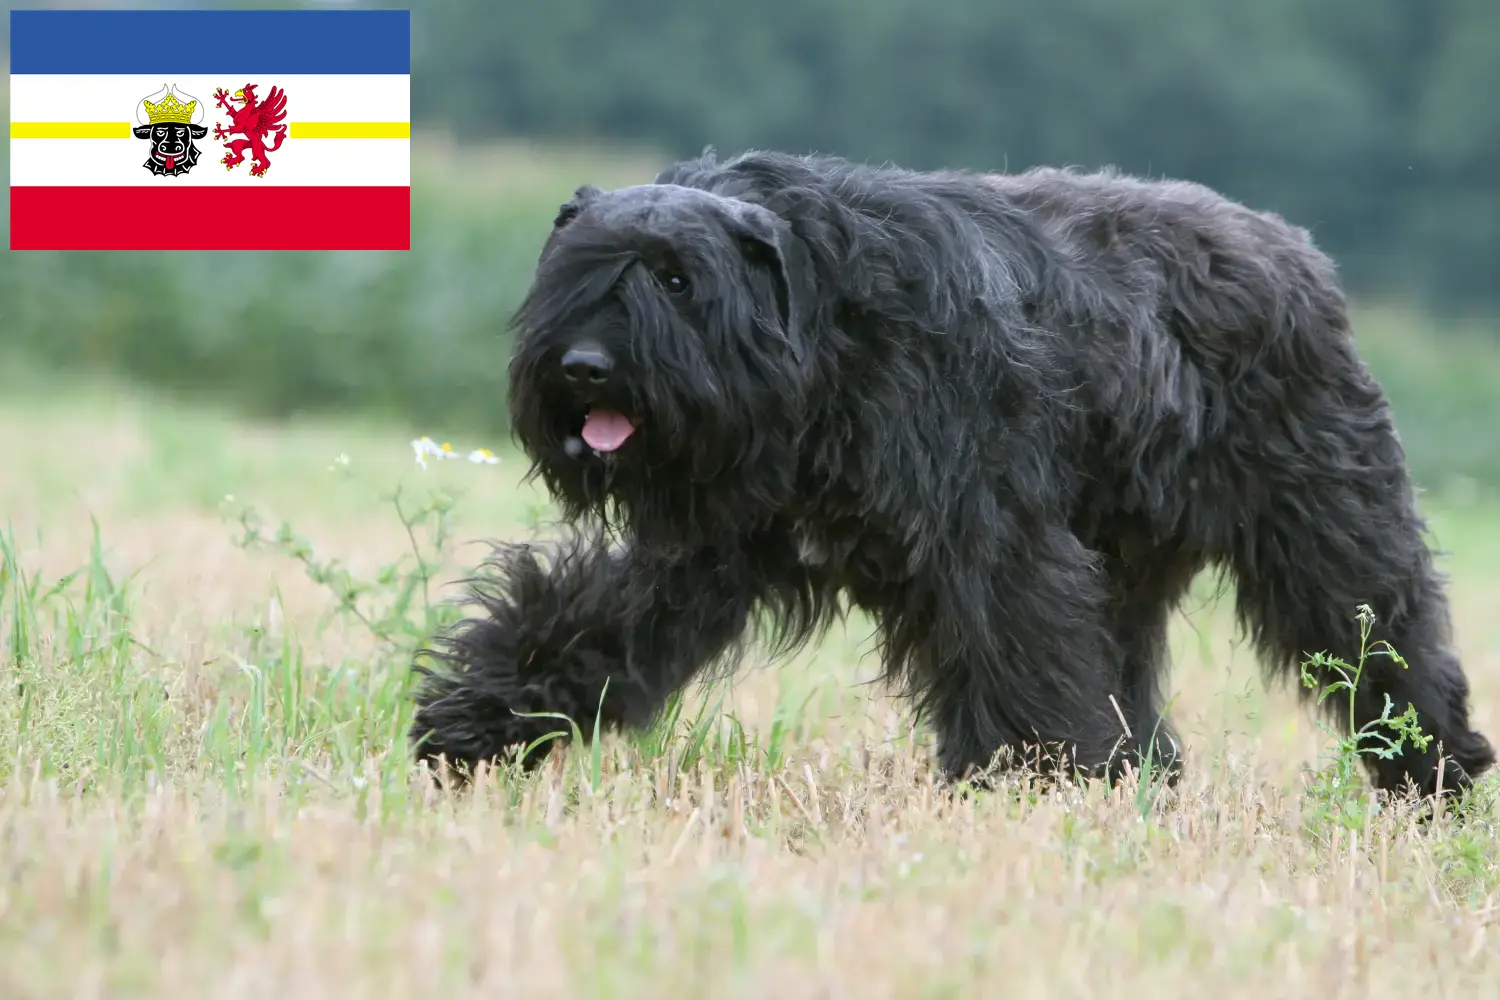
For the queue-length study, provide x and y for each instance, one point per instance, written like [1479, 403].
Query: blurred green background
[1374, 123]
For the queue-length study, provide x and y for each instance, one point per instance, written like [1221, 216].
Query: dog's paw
[478, 715]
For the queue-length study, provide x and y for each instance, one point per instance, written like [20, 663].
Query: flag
[210, 130]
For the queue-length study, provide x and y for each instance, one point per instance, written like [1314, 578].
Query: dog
[1011, 417]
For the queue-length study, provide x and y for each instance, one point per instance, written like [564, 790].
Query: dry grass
[203, 793]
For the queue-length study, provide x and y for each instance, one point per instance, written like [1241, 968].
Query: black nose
[588, 365]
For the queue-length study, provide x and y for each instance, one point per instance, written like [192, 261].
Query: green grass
[204, 786]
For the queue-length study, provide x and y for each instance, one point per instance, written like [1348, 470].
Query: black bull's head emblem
[172, 149]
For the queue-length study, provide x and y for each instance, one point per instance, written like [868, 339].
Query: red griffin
[255, 121]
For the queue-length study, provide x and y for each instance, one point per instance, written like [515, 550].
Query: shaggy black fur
[1011, 417]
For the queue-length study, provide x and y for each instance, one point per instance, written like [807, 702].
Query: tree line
[1374, 123]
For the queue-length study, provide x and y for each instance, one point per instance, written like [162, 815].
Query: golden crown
[170, 109]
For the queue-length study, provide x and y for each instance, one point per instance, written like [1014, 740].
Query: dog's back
[1216, 274]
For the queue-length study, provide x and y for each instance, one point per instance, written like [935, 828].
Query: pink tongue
[171, 162]
[606, 430]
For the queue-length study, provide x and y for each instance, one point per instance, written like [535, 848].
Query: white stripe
[111, 162]
[106, 98]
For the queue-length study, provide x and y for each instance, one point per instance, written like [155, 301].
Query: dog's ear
[570, 209]
[767, 239]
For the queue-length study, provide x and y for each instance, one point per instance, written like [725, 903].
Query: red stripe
[210, 218]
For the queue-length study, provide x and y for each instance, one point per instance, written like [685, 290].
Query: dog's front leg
[556, 631]
[1013, 654]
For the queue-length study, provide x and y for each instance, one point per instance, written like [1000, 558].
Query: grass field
[204, 788]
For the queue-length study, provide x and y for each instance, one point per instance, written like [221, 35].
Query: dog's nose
[586, 365]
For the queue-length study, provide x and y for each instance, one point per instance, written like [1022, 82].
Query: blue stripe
[210, 41]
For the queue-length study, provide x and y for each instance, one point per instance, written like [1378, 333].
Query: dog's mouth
[606, 430]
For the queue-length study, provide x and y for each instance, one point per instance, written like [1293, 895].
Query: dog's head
[661, 360]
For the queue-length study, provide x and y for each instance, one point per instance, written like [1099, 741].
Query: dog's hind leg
[1016, 656]
[1328, 522]
[1146, 588]
[555, 633]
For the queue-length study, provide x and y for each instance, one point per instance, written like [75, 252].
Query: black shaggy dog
[1008, 416]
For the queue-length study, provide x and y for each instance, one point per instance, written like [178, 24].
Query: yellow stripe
[299, 130]
[70, 130]
[350, 130]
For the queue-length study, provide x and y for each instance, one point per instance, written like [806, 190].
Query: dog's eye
[674, 282]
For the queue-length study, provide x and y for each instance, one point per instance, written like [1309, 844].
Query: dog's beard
[661, 470]
[581, 447]
[672, 451]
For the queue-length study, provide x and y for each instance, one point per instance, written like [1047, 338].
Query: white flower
[425, 447]
[342, 462]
